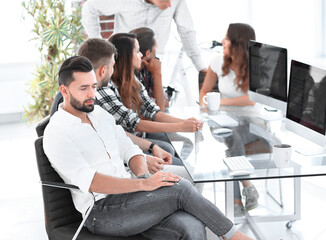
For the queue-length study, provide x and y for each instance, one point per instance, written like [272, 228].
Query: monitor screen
[268, 72]
[307, 96]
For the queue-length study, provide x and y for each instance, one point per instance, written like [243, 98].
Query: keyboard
[224, 120]
[239, 166]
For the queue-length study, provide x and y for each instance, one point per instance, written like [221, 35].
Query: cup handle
[205, 99]
[287, 156]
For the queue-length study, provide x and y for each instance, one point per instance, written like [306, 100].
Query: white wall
[15, 44]
[294, 24]
[18, 57]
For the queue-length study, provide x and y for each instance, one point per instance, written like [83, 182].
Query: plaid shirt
[109, 99]
[147, 79]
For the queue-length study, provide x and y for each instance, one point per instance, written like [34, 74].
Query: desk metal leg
[229, 211]
[254, 228]
[229, 200]
[280, 203]
[297, 202]
[252, 220]
[297, 197]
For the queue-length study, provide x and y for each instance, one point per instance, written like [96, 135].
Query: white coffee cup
[282, 155]
[212, 99]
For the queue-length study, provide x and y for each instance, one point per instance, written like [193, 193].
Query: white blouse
[226, 84]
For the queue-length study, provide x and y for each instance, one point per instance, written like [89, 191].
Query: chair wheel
[289, 225]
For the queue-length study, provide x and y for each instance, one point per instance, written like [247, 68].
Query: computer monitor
[306, 109]
[268, 75]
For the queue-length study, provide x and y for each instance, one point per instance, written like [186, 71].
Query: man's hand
[191, 125]
[160, 179]
[161, 153]
[154, 164]
[153, 65]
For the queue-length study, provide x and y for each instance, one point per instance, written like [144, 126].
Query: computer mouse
[222, 132]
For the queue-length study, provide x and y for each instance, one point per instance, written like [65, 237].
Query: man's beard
[81, 106]
[104, 82]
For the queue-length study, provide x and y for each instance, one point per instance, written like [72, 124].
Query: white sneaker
[251, 195]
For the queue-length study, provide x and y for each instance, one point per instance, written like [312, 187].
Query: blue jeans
[177, 212]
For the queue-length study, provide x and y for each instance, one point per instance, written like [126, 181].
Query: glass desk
[203, 152]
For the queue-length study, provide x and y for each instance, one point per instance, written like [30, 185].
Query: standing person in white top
[87, 149]
[231, 72]
[155, 14]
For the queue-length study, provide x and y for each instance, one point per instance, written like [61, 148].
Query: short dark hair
[145, 37]
[71, 65]
[97, 50]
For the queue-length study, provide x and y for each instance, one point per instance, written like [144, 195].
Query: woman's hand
[154, 164]
[161, 153]
[191, 125]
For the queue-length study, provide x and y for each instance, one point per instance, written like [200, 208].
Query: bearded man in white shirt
[87, 149]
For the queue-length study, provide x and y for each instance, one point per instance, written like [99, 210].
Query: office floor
[22, 210]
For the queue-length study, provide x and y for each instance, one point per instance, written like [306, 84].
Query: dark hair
[98, 51]
[123, 74]
[71, 65]
[145, 37]
[239, 34]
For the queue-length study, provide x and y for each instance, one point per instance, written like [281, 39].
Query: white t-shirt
[226, 84]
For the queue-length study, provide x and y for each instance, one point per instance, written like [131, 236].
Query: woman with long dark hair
[231, 68]
[127, 100]
[231, 72]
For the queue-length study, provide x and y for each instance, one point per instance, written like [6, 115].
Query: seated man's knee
[185, 186]
[178, 225]
[176, 161]
[188, 226]
[167, 147]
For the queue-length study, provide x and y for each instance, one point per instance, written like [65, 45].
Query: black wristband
[150, 149]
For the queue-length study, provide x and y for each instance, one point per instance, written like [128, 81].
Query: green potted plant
[58, 34]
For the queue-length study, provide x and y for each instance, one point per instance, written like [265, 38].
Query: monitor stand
[263, 133]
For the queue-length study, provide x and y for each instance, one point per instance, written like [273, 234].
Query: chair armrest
[71, 187]
[59, 185]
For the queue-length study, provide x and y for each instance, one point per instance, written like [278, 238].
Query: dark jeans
[177, 212]
[163, 142]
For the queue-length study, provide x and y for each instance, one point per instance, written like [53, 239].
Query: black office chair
[61, 218]
[201, 78]
[56, 102]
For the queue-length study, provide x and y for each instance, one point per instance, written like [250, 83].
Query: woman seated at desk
[127, 100]
[231, 71]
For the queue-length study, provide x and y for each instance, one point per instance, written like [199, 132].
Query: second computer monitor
[268, 75]
[306, 111]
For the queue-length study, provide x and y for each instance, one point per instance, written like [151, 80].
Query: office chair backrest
[59, 209]
[201, 78]
[56, 102]
[40, 127]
